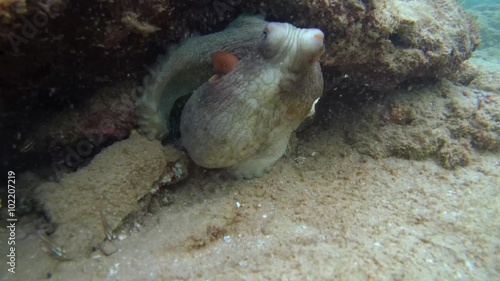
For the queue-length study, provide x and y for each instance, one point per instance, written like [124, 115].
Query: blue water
[487, 15]
[471, 3]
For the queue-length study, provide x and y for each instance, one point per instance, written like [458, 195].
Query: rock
[452, 155]
[54, 53]
[111, 184]
[442, 121]
[70, 139]
[108, 248]
[378, 43]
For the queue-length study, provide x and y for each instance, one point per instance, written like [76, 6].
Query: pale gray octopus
[241, 118]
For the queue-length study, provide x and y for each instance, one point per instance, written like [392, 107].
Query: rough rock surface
[368, 40]
[382, 43]
[75, 203]
[54, 53]
[69, 139]
[443, 121]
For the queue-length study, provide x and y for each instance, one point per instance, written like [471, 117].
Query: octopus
[253, 84]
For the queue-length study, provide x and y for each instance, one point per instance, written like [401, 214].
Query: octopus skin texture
[243, 119]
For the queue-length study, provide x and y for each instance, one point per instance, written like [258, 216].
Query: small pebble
[109, 248]
[138, 226]
[121, 237]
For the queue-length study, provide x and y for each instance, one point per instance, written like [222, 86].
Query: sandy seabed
[329, 214]
[326, 212]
